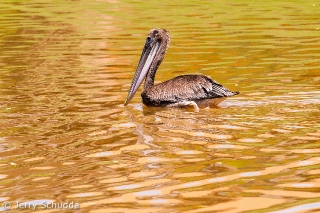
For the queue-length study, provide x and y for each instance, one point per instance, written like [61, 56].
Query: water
[65, 135]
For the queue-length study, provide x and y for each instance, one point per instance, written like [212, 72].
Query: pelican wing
[185, 88]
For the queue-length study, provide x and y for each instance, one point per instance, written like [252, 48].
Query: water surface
[65, 135]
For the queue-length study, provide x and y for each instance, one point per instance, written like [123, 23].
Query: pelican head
[152, 54]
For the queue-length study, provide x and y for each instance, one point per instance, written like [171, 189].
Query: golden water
[65, 135]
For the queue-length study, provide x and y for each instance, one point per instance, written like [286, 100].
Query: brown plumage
[186, 90]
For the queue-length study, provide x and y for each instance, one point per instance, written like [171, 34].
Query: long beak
[149, 52]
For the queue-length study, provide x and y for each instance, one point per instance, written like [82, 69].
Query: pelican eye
[148, 39]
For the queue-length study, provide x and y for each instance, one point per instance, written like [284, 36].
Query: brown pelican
[182, 91]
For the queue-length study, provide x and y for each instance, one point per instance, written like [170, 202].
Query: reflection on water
[65, 135]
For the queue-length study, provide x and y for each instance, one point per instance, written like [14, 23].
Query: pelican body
[181, 91]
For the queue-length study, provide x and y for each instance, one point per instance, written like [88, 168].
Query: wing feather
[185, 87]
